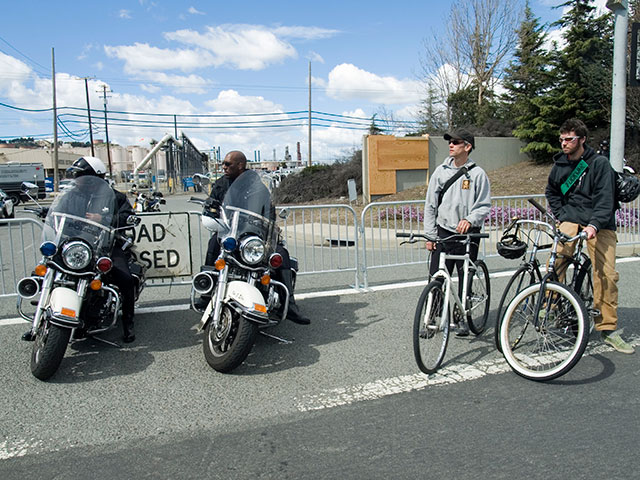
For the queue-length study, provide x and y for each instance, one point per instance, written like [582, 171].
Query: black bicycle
[544, 329]
[539, 235]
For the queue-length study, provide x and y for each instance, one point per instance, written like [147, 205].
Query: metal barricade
[323, 238]
[19, 251]
[379, 223]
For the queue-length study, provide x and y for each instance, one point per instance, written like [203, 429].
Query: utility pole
[106, 128]
[55, 123]
[86, 90]
[309, 161]
[619, 83]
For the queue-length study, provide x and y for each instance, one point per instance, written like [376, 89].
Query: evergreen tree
[527, 78]
[584, 66]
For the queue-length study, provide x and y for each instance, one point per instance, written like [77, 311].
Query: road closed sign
[162, 244]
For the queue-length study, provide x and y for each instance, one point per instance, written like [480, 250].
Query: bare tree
[480, 35]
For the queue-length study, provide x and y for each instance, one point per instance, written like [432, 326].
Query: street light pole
[619, 82]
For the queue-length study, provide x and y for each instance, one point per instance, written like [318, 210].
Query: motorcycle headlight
[76, 255]
[252, 250]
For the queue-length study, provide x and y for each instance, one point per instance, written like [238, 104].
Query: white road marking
[406, 383]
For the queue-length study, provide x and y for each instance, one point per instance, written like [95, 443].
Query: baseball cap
[465, 135]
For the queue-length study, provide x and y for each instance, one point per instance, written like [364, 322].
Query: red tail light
[104, 264]
[275, 260]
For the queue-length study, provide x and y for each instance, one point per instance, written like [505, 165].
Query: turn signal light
[265, 280]
[220, 264]
[41, 270]
[95, 284]
[259, 308]
[67, 312]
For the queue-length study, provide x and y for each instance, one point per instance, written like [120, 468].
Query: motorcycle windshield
[249, 199]
[84, 210]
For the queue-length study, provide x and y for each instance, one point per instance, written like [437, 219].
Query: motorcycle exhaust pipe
[202, 283]
[28, 287]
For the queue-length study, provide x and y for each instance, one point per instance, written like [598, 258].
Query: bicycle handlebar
[413, 237]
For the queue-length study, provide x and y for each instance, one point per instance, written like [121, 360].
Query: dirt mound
[328, 183]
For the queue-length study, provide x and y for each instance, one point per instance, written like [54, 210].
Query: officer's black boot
[294, 314]
[128, 334]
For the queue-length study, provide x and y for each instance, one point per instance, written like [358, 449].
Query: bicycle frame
[452, 296]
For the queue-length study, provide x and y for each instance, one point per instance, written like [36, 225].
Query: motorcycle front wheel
[228, 345]
[48, 349]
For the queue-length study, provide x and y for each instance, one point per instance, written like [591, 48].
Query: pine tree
[527, 78]
[585, 65]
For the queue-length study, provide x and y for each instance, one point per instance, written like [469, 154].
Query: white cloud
[244, 47]
[346, 81]
[194, 11]
[315, 57]
[306, 33]
[126, 14]
[141, 56]
[180, 83]
[230, 101]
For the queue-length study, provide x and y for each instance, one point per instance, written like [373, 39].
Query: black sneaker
[462, 329]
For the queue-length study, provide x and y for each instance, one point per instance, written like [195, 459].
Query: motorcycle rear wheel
[48, 350]
[228, 346]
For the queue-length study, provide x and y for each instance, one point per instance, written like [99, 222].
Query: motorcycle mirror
[284, 213]
[29, 188]
[133, 220]
[163, 201]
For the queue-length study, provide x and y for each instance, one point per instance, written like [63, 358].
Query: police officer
[234, 165]
[119, 273]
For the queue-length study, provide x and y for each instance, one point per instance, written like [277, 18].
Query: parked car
[6, 206]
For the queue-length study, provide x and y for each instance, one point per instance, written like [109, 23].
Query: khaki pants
[602, 251]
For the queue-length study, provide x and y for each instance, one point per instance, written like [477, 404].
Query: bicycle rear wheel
[548, 346]
[478, 298]
[518, 282]
[430, 329]
[582, 284]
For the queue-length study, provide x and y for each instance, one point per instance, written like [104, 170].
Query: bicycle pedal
[594, 312]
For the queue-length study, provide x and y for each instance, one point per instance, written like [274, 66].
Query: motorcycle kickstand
[108, 342]
[279, 339]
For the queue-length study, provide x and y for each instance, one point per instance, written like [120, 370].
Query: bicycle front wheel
[478, 298]
[430, 328]
[544, 343]
[518, 281]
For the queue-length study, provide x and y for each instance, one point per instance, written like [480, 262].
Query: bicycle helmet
[87, 166]
[511, 247]
[627, 187]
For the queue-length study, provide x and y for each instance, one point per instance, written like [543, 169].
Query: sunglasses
[456, 142]
[227, 164]
[567, 139]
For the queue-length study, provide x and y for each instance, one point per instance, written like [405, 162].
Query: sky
[216, 66]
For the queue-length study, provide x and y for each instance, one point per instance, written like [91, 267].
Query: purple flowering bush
[406, 213]
[500, 216]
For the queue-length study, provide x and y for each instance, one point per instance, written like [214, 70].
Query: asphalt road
[344, 400]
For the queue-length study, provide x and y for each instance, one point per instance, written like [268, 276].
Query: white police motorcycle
[244, 297]
[74, 297]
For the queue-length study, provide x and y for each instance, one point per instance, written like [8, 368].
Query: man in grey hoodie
[463, 207]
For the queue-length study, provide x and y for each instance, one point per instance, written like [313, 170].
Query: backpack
[627, 187]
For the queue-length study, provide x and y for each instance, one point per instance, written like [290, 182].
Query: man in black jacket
[581, 194]
[234, 165]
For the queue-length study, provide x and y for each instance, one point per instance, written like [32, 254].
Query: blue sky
[219, 58]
